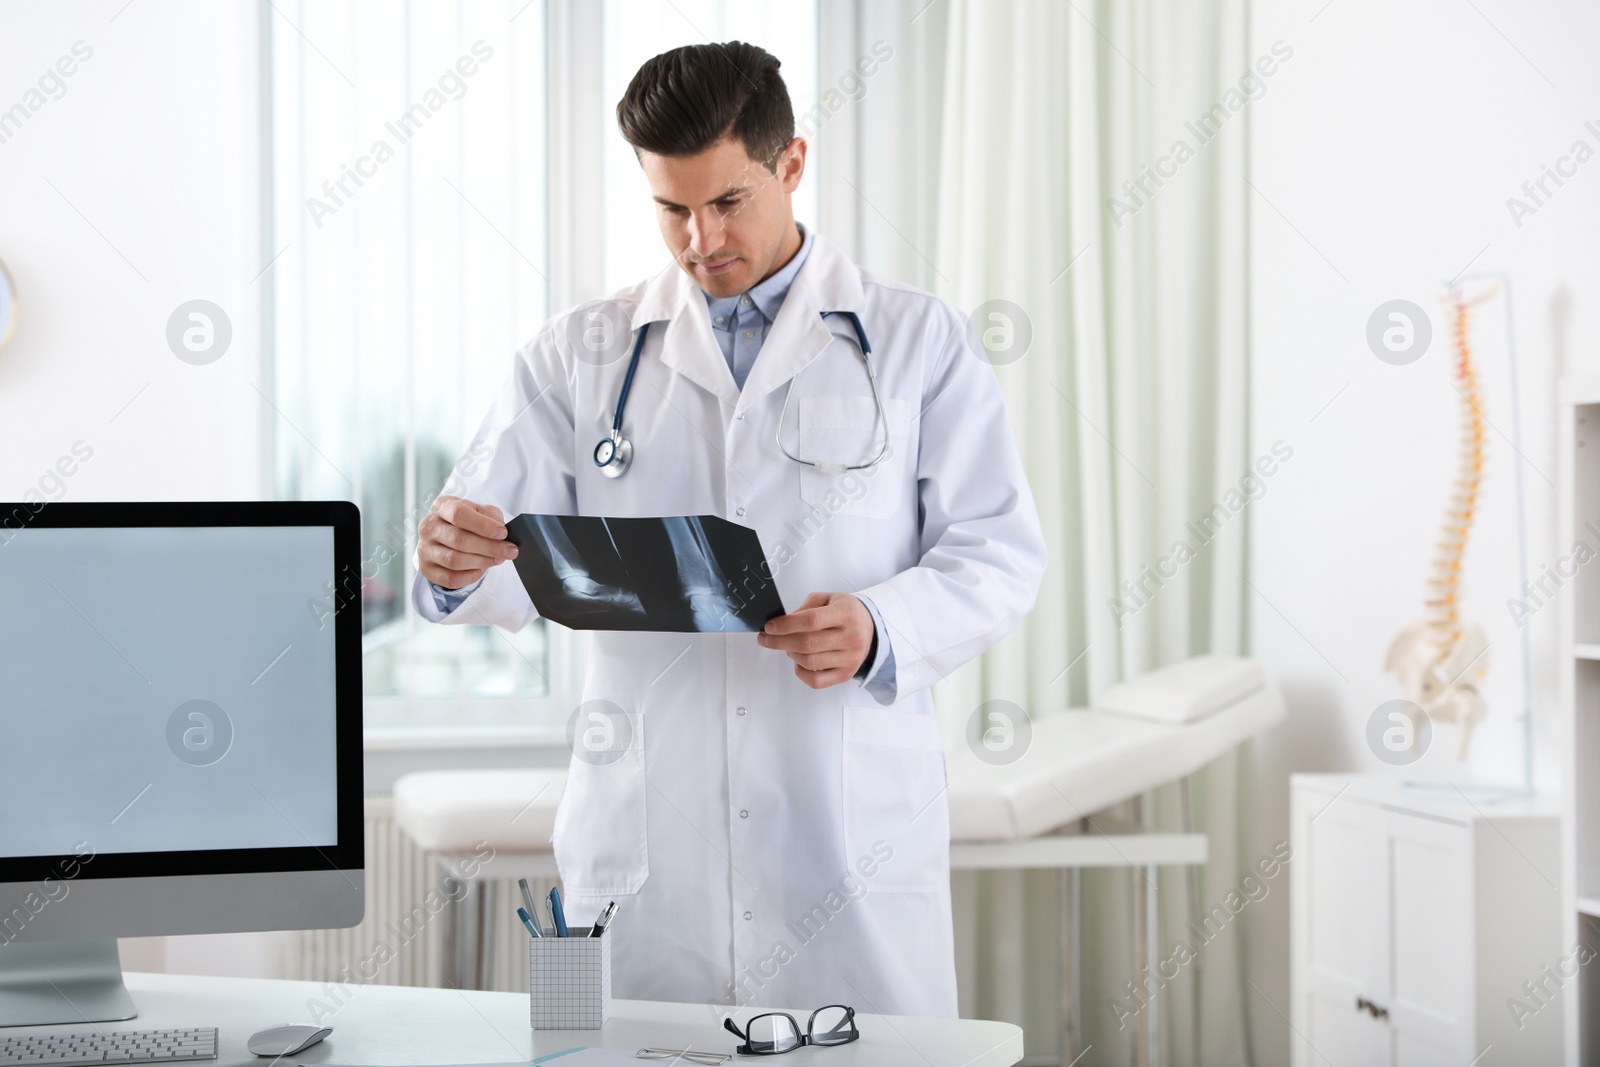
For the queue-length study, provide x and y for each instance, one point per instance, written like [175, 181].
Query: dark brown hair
[682, 102]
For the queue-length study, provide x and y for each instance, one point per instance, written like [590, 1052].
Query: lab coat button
[747, 915]
[741, 511]
[738, 711]
[744, 813]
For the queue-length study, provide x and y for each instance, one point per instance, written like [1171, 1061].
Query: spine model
[1443, 601]
[1441, 661]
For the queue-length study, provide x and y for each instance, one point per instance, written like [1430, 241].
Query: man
[768, 809]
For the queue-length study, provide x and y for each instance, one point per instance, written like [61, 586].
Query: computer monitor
[180, 735]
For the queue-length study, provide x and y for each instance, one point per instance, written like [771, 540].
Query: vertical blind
[409, 217]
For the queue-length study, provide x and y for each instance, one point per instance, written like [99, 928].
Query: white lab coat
[772, 844]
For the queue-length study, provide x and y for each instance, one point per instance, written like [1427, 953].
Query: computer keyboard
[113, 1046]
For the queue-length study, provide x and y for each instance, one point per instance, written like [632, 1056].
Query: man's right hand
[458, 541]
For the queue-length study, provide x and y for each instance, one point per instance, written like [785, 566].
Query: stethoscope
[614, 453]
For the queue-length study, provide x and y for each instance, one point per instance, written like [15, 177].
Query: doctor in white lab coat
[768, 809]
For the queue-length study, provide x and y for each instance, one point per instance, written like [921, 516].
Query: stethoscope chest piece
[613, 454]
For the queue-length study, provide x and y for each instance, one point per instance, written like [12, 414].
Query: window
[409, 172]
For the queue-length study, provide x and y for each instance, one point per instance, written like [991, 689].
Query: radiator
[422, 927]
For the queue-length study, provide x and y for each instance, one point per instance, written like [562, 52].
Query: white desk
[399, 1025]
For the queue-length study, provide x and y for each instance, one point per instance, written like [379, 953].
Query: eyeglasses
[775, 1032]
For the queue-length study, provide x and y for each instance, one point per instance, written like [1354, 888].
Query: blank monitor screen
[170, 697]
[170, 690]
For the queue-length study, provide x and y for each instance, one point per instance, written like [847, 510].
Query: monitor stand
[62, 982]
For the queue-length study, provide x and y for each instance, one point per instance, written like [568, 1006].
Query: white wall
[129, 188]
[135, 191]
[1383, 156]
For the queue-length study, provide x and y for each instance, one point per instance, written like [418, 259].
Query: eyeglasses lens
[773, 1033]
[832, 1026]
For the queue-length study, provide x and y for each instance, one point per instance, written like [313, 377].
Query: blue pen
[527, 920]
[557, 917]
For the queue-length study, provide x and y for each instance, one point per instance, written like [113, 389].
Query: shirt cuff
[448, 600]
[877, 677]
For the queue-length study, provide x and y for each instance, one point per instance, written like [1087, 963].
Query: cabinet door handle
[1371, 1008]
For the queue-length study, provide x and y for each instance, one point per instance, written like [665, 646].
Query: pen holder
[569, 981]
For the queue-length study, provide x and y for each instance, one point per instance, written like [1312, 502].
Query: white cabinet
[1415, 922]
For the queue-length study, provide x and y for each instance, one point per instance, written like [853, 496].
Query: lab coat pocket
[846, 430]
[895, 813]
[600, 830]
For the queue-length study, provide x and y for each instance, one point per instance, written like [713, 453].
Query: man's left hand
[828, 637]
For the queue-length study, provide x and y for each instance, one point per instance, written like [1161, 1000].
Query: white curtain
[1130, 404]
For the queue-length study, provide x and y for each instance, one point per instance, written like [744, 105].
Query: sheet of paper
[509, 1063]
[574, 1057]
[567, 1058]
[675, 573]
[607, 1057]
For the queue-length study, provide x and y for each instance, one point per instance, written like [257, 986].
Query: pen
[604, 921]
[527, 920]
[527, 897]
[558, 918]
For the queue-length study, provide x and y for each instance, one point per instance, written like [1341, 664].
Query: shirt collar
[833, 283]
[799, 334]
[768, 293]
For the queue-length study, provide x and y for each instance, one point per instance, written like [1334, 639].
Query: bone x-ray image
[679, 573]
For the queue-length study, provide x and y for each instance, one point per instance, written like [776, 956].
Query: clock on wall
[8, 306]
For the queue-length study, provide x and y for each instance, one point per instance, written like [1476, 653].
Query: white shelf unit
[1578, 660]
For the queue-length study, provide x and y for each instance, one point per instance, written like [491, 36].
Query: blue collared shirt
[740, 324]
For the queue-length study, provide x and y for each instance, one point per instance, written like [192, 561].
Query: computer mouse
[288, 1039]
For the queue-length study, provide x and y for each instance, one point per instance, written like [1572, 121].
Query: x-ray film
[676, 573]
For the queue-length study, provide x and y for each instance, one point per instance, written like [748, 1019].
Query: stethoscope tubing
[620, 454]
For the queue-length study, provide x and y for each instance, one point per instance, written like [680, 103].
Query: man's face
[724, 215]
